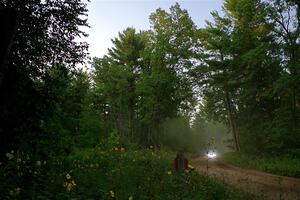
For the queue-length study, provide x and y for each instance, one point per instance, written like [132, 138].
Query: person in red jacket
[180, 163]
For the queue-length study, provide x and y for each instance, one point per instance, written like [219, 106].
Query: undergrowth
[108, 171]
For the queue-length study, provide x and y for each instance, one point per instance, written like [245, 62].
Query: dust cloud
[180, 134]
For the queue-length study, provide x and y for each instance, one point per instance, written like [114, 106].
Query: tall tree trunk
[118, 121]
[232, 121]
[131, 108]
[230, 112]
[295, 89]
[131, 123]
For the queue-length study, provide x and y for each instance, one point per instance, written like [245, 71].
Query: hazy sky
[108, 17]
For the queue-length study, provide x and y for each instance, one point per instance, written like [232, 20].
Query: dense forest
[170, 87]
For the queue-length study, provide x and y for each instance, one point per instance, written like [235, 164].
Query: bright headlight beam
[211, 155]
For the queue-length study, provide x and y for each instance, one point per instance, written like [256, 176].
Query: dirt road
[264, 185]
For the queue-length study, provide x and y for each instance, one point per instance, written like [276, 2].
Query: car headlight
[211, 154]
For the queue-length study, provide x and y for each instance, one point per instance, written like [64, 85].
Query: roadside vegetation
[283, 165]
[111, 170]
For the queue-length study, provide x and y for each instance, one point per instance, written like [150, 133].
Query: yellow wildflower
[69, 186]
[169, 172]
[9, 156]
[130, 198]
[122, 149]
[191, 167]
[38, 163]
[17, 190]
[73, 183]
[112, 194]
[68, 176]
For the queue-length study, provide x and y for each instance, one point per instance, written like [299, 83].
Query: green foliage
[26, 177]
[143, 80]
[150, 173]
[107, 173]
[116, 77]
[34, 44]
[283, 165]
[73, 118]
[249, 74]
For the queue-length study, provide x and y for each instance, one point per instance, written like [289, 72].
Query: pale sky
[108, 17]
